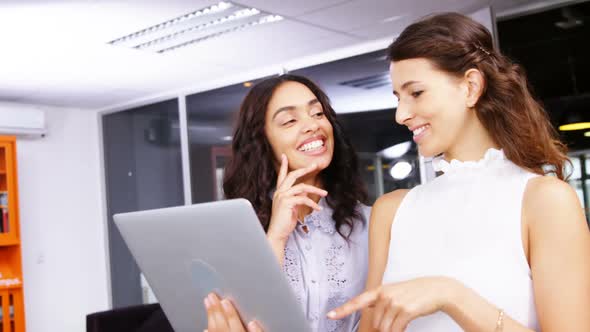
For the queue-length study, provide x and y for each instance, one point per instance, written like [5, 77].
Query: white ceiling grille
[194, 27]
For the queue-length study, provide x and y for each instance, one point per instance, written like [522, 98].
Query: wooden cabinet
[12, 314]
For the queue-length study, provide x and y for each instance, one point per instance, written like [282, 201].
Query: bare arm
[382, 215]
[559, 247]
[558, 241]
[559, 255]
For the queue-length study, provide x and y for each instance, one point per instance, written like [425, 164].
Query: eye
[318, 114]
[416, 94]
[288, 122]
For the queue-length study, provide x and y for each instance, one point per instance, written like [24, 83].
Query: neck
[472, 145]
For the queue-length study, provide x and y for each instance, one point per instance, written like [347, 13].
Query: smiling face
[295, 124]
[434, 105]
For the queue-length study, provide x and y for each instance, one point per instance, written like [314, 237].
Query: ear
[475, 84]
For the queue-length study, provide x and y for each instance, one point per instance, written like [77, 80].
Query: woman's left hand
[222, 316]
[396, 305]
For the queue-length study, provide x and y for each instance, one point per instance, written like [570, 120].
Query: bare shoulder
[559, 237]
[386, 206]
[549, 202]
[392, 198]
[548, 193]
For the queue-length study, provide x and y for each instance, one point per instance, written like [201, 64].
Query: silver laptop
[189, 251]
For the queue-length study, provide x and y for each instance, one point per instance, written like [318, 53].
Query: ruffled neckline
[492, 156]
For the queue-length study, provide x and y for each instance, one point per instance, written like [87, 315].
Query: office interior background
[124, 106]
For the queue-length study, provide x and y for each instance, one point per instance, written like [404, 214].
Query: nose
[403, 113]
[310, 125]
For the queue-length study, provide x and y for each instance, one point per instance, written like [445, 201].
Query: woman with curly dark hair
[292, 161]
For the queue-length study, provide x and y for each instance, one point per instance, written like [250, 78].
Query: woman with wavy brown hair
[495, 243]
[292, 161]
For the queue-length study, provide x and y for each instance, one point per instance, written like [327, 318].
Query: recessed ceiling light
[240, 14]
[263, 20]
[209, 10]
[396, 151]
[401, 170]
[194, 27]
[392, 18]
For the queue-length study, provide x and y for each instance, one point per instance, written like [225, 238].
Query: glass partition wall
[142, 161]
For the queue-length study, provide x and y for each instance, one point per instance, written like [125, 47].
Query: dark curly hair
[251, 173]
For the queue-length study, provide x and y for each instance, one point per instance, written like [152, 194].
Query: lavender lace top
[325, 270]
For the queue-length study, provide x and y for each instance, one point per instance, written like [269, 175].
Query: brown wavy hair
[251, 173]
[516, 121]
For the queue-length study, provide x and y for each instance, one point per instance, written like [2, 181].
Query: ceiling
[56, 52]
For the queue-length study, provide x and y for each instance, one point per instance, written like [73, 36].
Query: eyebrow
[291, 108]
[405, 85]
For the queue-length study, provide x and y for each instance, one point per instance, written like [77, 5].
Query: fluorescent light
[166, 36]
[221, 6]
[587, 134]
[392, 18]
[263, 20]
[401, 170]
[235, 16]
[227, 138]
[396, 151]
[575, 126]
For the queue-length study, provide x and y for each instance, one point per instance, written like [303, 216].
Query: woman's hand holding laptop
[223, 317]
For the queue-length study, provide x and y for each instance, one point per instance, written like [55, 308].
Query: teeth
[419, 131]
[312, 145]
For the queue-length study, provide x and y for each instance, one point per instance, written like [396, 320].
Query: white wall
[62, 223]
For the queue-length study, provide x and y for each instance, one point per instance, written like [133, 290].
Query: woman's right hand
[287, 197]
[222, 316]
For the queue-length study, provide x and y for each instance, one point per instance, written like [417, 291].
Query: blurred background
[138, 101]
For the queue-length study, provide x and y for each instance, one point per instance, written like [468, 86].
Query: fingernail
[225, 304]
[212, 298]
[207, 304]
[252, 325]
[331, 314]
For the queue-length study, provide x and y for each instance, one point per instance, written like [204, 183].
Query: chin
[323, 163]
[428, 152]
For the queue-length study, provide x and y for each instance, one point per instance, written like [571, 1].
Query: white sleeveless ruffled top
[466, 224]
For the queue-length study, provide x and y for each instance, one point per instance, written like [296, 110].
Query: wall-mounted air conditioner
[22, 120]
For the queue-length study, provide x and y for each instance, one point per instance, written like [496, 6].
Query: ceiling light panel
[194, 27]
